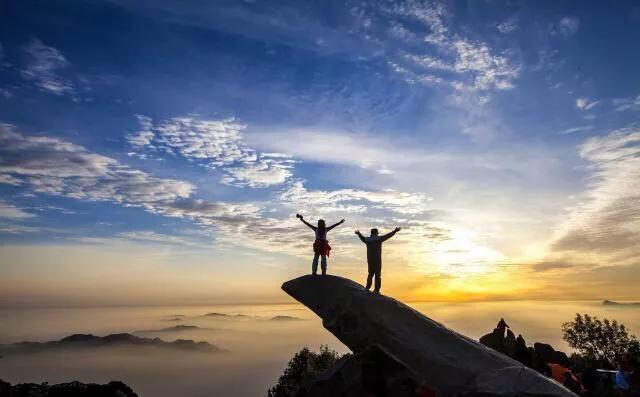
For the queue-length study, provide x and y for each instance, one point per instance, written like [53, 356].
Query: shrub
[301, 370]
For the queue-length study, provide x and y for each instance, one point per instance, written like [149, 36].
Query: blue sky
[503, 137]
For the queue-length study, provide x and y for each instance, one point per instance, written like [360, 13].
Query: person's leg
[369, 279]
[314, 264]
[370, 269]
[323, 264]
[378, 278]
[378, 283]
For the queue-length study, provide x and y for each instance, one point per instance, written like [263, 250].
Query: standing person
[374, 255]
[321, 247]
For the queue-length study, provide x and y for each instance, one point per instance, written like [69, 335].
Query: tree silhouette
[600, 340]
[301, 370]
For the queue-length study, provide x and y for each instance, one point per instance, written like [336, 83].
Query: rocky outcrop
[441, 361]
[71, 389]
[537, 357]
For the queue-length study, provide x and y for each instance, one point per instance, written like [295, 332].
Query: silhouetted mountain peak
[284, 318]
[176, 328]
[77, 341]
[612, 303]
[79, 338]
[224, 315]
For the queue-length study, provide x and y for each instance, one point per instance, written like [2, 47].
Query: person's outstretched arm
[390, 234]
[334, 225]
[361, 236]
[305, 222]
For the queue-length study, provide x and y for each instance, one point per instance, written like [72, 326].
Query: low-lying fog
[259, 345]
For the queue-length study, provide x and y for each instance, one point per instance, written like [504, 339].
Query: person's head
[321, 225]
[374, 232]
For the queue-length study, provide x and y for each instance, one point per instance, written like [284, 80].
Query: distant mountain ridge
[113, 340]
[175, 328]
[75, 389]
[613, 303]
[285, 318]
[224, 315]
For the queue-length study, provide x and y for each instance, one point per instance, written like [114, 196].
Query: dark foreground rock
[399, 351]
[368, 373]
[71, 389]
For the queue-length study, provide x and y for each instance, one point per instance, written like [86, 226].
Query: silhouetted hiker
[321, 247]
[374, 254]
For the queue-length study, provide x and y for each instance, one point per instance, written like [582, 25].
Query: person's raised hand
[299, 216]
[342, 221]
[398, 229]
[357, 231]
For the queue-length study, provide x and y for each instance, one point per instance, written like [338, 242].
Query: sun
[462, 255]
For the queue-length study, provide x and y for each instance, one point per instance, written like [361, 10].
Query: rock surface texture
[443, 361]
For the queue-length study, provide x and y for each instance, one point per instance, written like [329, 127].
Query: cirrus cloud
[53, 166]
[43, 65]
[606, 222]
[215, 144]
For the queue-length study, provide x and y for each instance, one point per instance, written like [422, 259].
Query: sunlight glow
[462, 256]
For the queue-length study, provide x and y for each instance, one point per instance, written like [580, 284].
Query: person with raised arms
[374, 255]
[321, 247]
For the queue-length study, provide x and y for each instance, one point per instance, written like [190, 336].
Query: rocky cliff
[399, 351]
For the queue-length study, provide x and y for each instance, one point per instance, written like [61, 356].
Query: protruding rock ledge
[447, 362]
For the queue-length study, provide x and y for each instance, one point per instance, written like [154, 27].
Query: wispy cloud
[623, 104]
[508, 26]
[53, 166]
[216, 144]
[586, 103]
[44, 63]
[10, 211]
[467, 68]
[469, 59]
[18, 229]
[573, 130]
[491, 71]
[5, 93]
[354, 200]
[568, 26]
[323, 145]
[148, 237]
[606, 220]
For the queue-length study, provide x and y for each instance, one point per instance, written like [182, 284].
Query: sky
[156, 152]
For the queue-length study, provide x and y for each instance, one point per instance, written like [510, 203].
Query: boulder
[544, 353]
[448, 363]
[494, 340]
